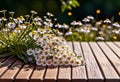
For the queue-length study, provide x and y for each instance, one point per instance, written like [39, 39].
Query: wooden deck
[102, 65]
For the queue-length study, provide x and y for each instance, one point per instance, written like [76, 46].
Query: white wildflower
[90, 17]
[30, 51]
[68, 33]
[86, 20]
[11, 25]
[100, 38]
[107, 21]
[116, 24]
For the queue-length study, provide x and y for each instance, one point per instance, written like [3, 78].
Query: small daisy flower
[68, 33]
[11, 13]
[50, 14]
[30, 51]
[44, 63]
[55, 58]
[116, 24]
[98, 23]
[58, 55]
[58, 25]
[55, 63]
[38, 42]
[37, 18]
[35, 36]
[48, 20]
[100, 38]
[90, 17]
[41, 31]
[56, 40]
[11, 25]
[17, 30]
[22, 26]
[41, 52]
[86, 20]
[116, 31]
[72, 62]
[68, 58]
[65, 26]
[4, 19]
[33, 12]
[94, 29]
[6, 30]
[64, 56]
[38, 62]
[38, 23]
[57, 49]
[42, 57]
[77, 62]
[61, 62]
[107, 21]
[49, 62]
[36, 53]
[73, 23]
[46, 52]
[46, 48]
[66, 63]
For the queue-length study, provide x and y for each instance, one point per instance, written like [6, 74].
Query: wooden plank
[114, 48]
[38, 74]
[93, 70]
[115, 61]
[51, 74]
[11, 72]
[2, 59]
[117, 43]
[25, 73]
[78, 72]
[64, 74]
[106, 67]
[6, 64]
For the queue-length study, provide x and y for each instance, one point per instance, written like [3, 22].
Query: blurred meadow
[108, 8]
[95, 20]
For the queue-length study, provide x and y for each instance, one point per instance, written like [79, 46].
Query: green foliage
[14, 41]
[69, 4]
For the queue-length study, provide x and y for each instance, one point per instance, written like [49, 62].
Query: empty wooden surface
[102, 65]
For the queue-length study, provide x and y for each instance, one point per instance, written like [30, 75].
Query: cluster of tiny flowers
[53, 50]
[102, 30]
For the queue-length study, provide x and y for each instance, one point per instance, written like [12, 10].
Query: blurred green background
[108, 8]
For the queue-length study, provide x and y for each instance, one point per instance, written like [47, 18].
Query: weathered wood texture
[102, 65]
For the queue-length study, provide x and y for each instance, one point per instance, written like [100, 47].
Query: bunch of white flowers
[53, 50]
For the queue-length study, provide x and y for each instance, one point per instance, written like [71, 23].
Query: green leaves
[23, 56]
[7, 54]
[69, 4]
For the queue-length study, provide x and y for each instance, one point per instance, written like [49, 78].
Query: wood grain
[24, 74]
[64, 74]
[51, 74]
[114, 48]
[6, 64]
[79, 73]
[93, 70]
[102, 65]
[115, 61]
[106, 67]
[38, 74]
[11, 72]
